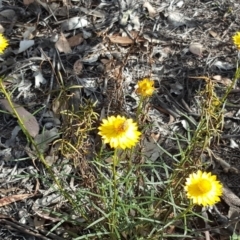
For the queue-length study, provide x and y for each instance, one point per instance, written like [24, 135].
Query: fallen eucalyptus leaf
[77, 67]
[29, 121]
[223, 80]
[13, 198]
[44, 139]
[24, 45]
[62, 44]
[151, 10]
[75, 40]
[196, 48]
[124, 41]
[214, 35]
[74, 23]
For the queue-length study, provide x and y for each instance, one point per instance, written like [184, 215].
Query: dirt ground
[116, 43]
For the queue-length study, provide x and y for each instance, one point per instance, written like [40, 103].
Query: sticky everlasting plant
[145, 87]
[203, 188]
[3, 43]
[119, 132]
[236, 39]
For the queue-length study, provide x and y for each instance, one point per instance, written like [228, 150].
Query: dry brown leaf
[214, 35]
[75, 40]
[196, 48]
[28, 119]
[108, 63]
[77, 67]
[223, 80]
[108, 160]
[156, 136]
[105, 61]
[126, 40]
[217, 77]
[226, 81]
[62, 44]
[14, 198]
[56, 106]
[151, 10]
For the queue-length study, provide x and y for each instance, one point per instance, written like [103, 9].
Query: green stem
[115, 191]
[140, 107]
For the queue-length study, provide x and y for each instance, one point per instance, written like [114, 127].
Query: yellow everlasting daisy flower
[145, 87]
[3, 43]
[203, 188]
[236, 39]
[119, 132]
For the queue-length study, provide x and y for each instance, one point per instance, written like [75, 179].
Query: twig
[51, 85]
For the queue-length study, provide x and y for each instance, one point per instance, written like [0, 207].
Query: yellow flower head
[203, 188]
[119, 132]
[236, 39]
[145, 87]
[3, 43]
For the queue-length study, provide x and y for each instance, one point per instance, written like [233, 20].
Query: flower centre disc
[121, 127]
[204, 186]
